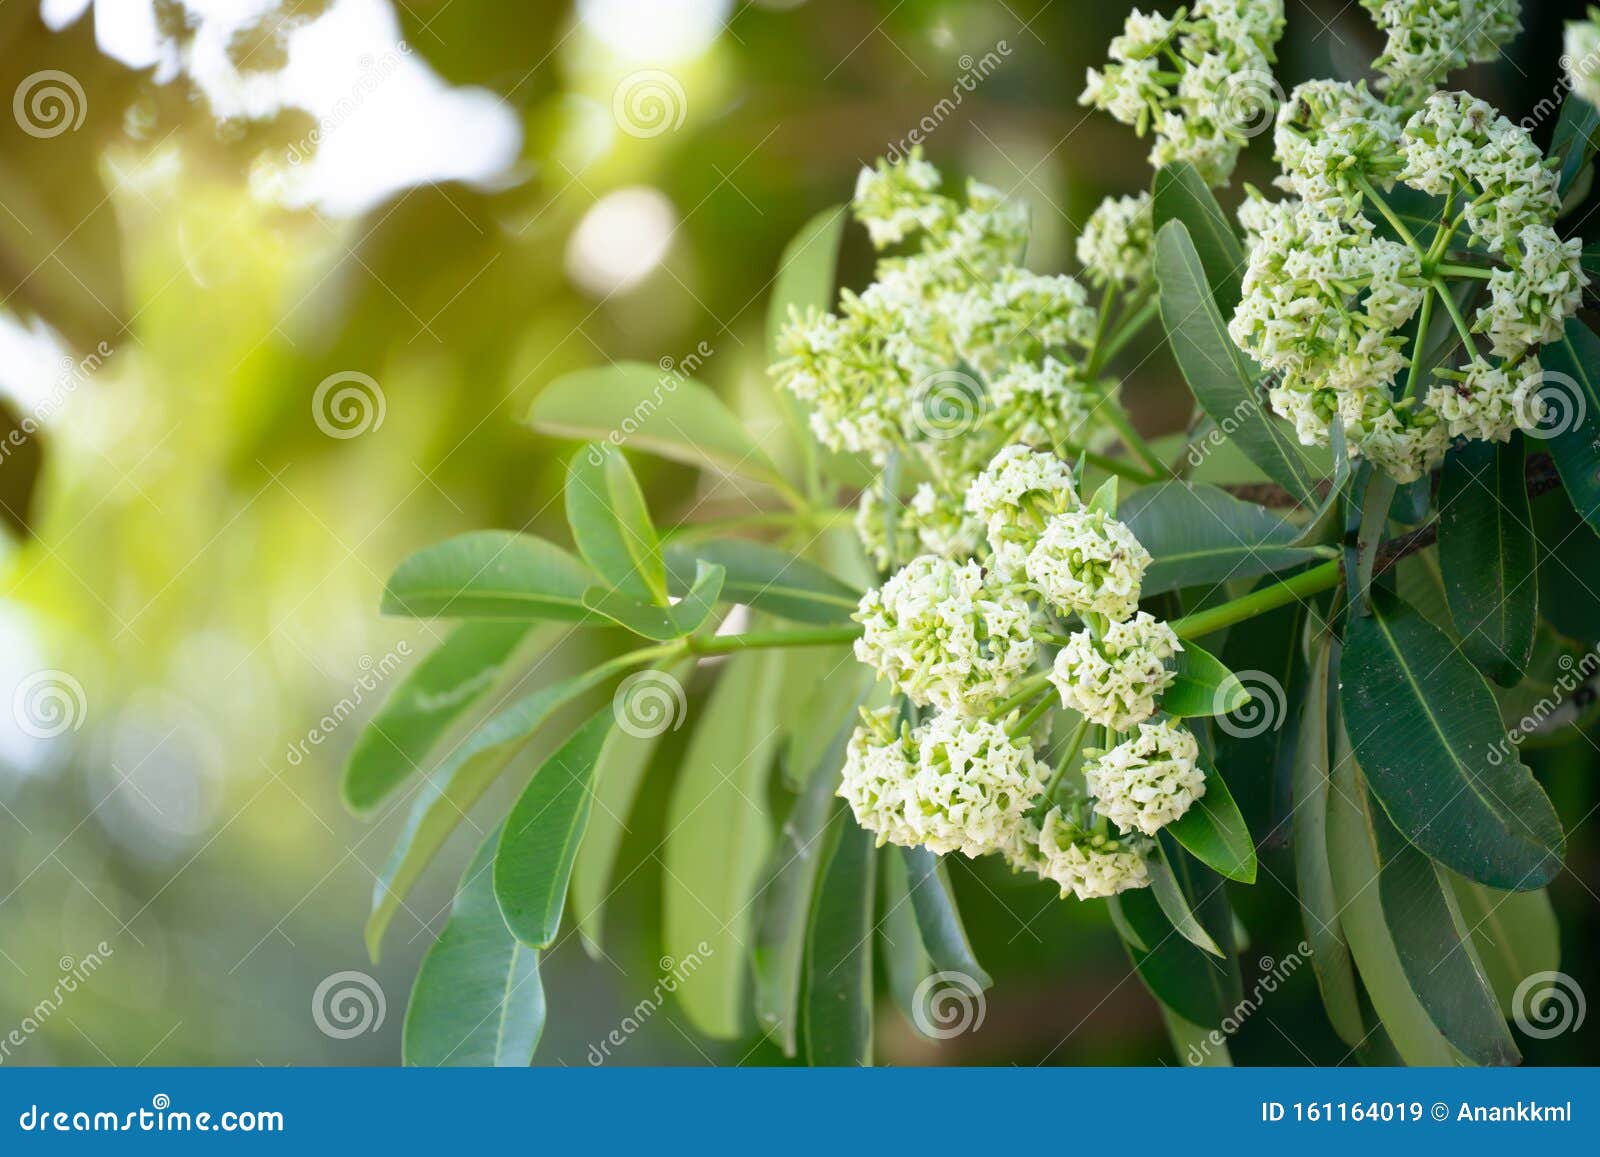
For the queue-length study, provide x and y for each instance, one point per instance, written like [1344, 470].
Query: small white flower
[941, 636]
[1015, 495]
[1116, 680]
[1116, 244]
[895, 200]
[972, 786]
[879, 763]
[1582, 57]
[1429, 39]
[1088, 865]
[1146, 782]
[1089, 563]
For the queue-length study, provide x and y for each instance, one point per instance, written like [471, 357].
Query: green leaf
[490, 574]
[823, 689]
[1105, 497]
[1574, 138]
[611, 524]
[1515, 933]
[1486, 554]
[1214, 832]
[458, 781]
[806, 271]
[1436, 951]
[440, 691]
[1199, 987]
[1202, 686]
[1319, 906]
[652, 412]
[1215, 369]
[1571, 392]
[651, 703]
[1377, 491]
[1256, 743]
[1354, 865]
[1175, 905]
[785, 900]
[477, 999]
[905, 961]
[719, 837]
[766, 579]
[1325, 524]
[1428, 735]
[541, 835]
[943, 935]
[838, 998]
[651, 621]
[1196, 1047]
[1198, 535]
[1180, 195]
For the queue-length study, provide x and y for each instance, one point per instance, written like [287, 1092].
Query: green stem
[1025, 723]
[1118, 420]
[1074, 741]
[1125, 332]
[1115, 466]
[1424, 320]
[1455, 316]
[1455, 269]
[1302, 585]
[755, 640]
[1389, 215]
[820, 518]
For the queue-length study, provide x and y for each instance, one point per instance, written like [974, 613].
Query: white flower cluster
[1581, 57]
[1429, 39]
[962, 637]
[1197, 80]
[954, 351]
[1335, 275]
[1086, 864]
[952, 785]
[1116, 679]
[1116, 244]
[944, 637]
[1146, 782]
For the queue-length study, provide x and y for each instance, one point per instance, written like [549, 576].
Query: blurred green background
[278, 282]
